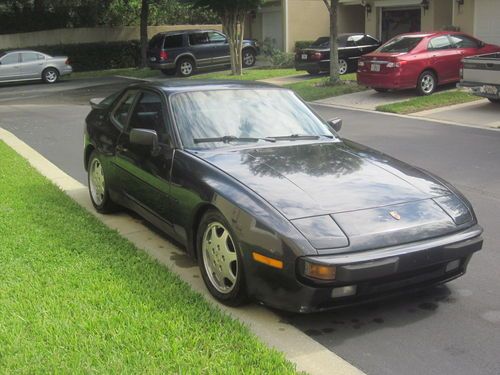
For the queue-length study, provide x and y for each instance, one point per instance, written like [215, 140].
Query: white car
[32, 65]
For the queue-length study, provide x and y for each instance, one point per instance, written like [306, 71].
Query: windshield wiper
[293, 137]
[231, 138]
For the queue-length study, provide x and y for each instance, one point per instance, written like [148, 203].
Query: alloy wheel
[342, 67]
[51, 76]
[248, 58]
[427, 84]
[186, 68]
[96, 182]
[219, 257]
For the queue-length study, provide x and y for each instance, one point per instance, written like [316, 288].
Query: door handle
[120, 148]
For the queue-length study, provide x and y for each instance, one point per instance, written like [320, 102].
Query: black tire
[185, 67]
[378, 89]
[106, 205]
[427, 83]
[50, 75]
[237, 295]
[248, 58]
[495, 101]
[169, 72]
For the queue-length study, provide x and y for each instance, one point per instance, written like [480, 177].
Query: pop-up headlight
[322, 232]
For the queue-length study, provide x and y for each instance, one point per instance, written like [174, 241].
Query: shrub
[277, 58]
[300, 44]
[96, 56]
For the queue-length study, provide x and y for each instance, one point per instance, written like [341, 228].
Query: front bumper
[377, 273]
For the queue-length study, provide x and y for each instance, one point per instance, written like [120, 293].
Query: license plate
[487, 89]
[375, 68]
[304, 56]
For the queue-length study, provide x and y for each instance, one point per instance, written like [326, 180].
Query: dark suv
[183, 52]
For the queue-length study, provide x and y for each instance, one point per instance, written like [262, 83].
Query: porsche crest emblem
[395, 215]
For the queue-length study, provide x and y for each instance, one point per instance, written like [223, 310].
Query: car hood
[312, 179]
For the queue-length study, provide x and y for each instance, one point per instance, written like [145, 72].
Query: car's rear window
[173, 41]
[156, 41]
[324, 41]
[400, 44]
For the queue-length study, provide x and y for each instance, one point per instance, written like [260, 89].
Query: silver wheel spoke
[96, 182]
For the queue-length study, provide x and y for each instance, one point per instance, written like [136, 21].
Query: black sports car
[273, 204]
[316, 58]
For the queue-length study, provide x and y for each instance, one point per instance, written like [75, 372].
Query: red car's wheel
[426, 83]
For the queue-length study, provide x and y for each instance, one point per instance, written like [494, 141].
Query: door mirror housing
[335, 124]
[145, 137]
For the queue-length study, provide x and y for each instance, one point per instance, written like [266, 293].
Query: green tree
[333, 9]
[232, 14]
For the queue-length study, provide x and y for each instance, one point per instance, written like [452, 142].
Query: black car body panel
[393, 227]
[316, 58]
[206, 52]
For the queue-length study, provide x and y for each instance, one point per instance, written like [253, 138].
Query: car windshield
[210, 119]
[400, 44]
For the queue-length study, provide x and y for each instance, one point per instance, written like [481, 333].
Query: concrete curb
[412, 117]
[308, 355]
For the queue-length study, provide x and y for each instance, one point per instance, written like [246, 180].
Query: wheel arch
[195, 223]
[88, 151]
[186, 55]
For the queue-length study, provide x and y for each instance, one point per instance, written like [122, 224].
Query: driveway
[452, 329]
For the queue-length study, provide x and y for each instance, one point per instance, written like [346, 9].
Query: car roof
[184, 31]
[20, 50]
[173, 86]
[431, 33]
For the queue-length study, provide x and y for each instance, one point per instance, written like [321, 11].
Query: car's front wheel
[427, 83]
[50, 75]
[185, 67]
[219, 259]
[248, 58]
[98, 189]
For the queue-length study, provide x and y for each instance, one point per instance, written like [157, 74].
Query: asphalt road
[452, 329]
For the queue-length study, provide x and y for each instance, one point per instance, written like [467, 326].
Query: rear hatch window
[156, 42]
[401, 44]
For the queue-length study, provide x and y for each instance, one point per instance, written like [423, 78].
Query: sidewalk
[368, 100]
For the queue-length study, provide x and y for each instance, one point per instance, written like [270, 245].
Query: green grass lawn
[422, 103]
[317, 88]
[76, 297]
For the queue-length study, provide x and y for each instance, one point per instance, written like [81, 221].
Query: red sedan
[419, 60]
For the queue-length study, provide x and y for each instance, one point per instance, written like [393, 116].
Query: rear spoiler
[95, 103]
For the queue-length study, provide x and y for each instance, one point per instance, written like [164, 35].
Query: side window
[216, 37]
[39, 56]
[367, 41]
[198, 38]
[12, 58]
[148, 114]
[350, 42]
[173, 41]
[122, 110]
[29, 56]
[462, 41]
[439, 43]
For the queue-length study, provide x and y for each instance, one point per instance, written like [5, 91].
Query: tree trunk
[334, 52]
[144, 33]
[233, 26]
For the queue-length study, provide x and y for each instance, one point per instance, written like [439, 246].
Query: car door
[465, 46]
[32, 64]
[10, 67]
[220, 48]
[143, 173]
[443, 58]
[201, 48]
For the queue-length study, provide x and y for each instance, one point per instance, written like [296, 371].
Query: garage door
[486, 21]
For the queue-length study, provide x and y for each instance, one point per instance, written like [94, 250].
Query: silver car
[32, 65]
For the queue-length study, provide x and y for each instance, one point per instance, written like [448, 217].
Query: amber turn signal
[319, 271]
[275, 263]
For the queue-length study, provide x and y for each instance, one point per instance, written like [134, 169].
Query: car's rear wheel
[496, 101]
[378, 89]
[343, 67]
[50, 75]
[98, 189]
[219, 259]
[185, 67]
[426, 83]
[248, 58]
[169, 72]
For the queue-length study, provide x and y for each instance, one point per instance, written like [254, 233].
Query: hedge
[96, 56]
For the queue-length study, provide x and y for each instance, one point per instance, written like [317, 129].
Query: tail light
[67, 62]
[397, 64]
[316, 56]
[163, 55]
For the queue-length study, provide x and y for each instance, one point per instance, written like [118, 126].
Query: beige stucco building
[286, 21]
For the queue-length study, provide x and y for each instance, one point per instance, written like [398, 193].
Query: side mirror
[145, 137]
[335, 124]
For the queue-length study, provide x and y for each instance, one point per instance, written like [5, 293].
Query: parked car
[481, 74]
[32, 65]
[272, 203]
[316, 58]
[419, 60]
[185, 51]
